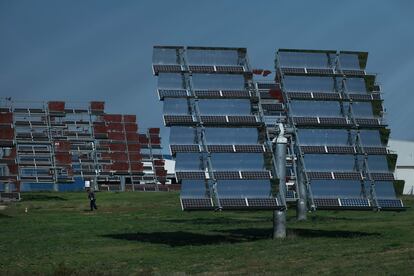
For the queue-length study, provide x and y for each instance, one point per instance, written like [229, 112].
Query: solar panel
[354, 202]
[319, 175]
[230, 69]
[207, 93]
[333, 121]
[226, 175]
[375, 150]
[313, 149]
[184, 148]
[341, 150]
[166, 68]
[235, 94]
[348, 175]
[367, 122]
[233, 203]
[390, 203]
[190, 175]
[326, 96]
[201, 68]
[360, 97]
[263, 203]
[249, 148]
[243, 120]
[287, 70]
[353, 72]
[255, 174]
[290, 194]
[178, 120]
[220, 148]
[196, 204]
[320, 71]
[299, 95]
[172, 93]
[382, 176]
[326, 202]
[213, 119]
[305, 120]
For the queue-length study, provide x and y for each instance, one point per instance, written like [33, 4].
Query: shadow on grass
[315, 233]
[42, 197]
[217, 220]
[4, 216]
[182, 238]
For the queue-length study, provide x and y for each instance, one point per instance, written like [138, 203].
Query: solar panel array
[336, 111]
[216, 134]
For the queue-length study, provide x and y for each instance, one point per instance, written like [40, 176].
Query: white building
[405, 163]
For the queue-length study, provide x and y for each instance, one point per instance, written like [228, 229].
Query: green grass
[147, 233]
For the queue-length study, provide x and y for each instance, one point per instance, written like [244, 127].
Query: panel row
[218, 148]
[357, 204]
[350, 175]
[194, 204]
[248, 120]
[171, 68]
[343, 150]
[337, 122]
[224, 175]
[181, 93]
[333, 96]
[320, 71]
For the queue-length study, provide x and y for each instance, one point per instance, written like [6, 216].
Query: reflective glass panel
[329, 162]
[165, 56]
[176, 106]
[170, 81]
[183, 135]
[370, 137]
[336, 189]
[334, 137]
[190, 162]
[243, 188]
[237, 161]
[224, 107]
[356, 85]
[218, 81]
[377, 163]
[361, 109]
[212, 57]
[300, 59]
[309, 84]
[230, 136]
[349, 61]
[193, 188]
[384, 189]
[316, 108]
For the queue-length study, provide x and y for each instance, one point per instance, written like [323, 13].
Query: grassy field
[147, 233]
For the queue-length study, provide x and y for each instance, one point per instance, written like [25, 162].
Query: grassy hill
[147, 233]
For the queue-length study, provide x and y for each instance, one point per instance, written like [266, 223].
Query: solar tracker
[354, 135]
[216, 133]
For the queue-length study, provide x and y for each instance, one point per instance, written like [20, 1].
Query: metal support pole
[122, 183]
[279, 224]
[55, 187]
[279, 216]
[301, 207]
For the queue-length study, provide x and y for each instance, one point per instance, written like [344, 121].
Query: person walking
[92, 199]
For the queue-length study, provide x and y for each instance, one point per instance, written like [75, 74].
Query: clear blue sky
[101, 50]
